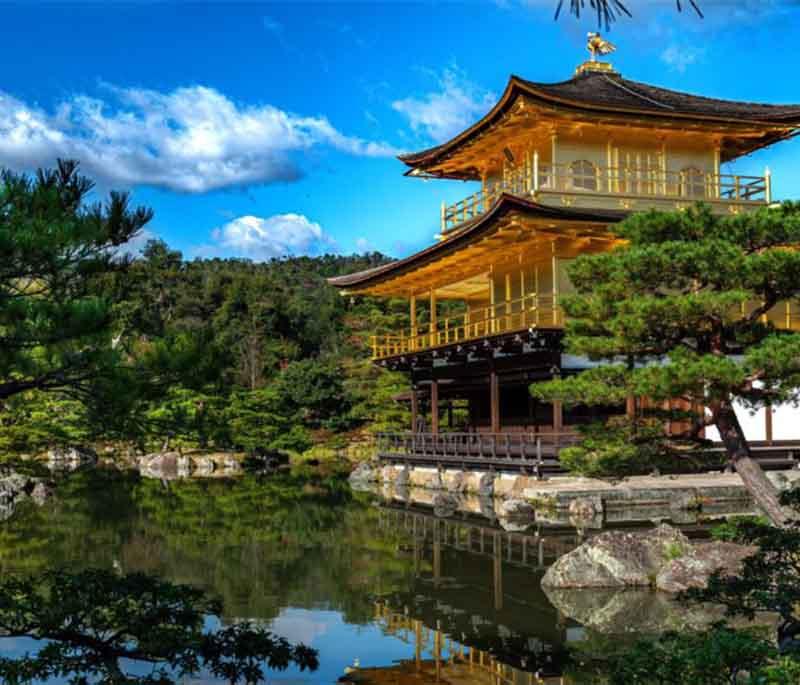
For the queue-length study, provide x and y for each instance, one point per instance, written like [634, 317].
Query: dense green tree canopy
[221, 353]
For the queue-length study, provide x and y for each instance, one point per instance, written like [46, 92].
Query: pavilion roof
[605, 92]
[471, 231]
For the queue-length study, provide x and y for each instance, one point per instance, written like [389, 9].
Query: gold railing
[538, 311]
[452, 660]
[480, 322]
[638, 182]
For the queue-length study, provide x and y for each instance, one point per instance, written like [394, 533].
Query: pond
[400, 592]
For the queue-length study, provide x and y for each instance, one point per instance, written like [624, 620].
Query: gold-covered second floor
[502, 276]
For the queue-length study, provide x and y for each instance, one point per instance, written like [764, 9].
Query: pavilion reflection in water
[453, 662]
[475, 612]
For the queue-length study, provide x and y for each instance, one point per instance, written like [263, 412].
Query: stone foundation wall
[470, 490]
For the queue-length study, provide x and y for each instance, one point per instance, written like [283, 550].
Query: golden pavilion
[558, 165]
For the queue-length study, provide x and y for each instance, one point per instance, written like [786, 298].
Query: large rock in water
[694, 569]
[662, 558]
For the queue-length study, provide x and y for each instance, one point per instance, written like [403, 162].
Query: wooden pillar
[494, 400]
[437, 554]
[434, 322]
[558, 417]
[414, 408]
[418, 643]
[434, 407]
[508, 322]
[492, 302]
[554, 268]
[630, 407]
[413, 329]
[497, 572]
[768, 423]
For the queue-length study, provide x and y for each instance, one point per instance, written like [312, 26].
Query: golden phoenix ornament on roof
[597, 45]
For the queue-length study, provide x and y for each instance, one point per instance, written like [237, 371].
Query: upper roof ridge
[618, 84]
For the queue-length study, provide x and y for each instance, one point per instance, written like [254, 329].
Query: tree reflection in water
[303, 547]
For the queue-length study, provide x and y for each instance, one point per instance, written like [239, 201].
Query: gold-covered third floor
[599, 140]
[596, 174]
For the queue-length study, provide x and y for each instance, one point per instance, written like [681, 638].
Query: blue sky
[259, 129]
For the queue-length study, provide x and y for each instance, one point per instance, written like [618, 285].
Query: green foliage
[729, 531]
[623, 447]
[56, 251]
[373, 390]
[207, 353]
[769, 580]
[714, 657]
[313, 389]
[94, 621]
[260, 419]
[678, 313]
[35, 420]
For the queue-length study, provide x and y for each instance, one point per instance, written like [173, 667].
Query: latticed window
[583, 175]
[693, 182]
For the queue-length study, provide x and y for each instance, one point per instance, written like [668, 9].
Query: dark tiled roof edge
[470, 230]
[610, 92]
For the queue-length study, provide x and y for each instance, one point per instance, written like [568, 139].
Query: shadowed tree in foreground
[683, 311]
[95, 619]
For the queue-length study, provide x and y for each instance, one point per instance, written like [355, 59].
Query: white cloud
[277, 236]
[447, 111]
[134, 247]
[363, 245]
[193, 139]
[680, 57]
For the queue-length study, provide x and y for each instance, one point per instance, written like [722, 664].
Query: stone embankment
[566, 497]
[175, 465]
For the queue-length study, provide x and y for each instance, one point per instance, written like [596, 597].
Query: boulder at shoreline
[662, 558]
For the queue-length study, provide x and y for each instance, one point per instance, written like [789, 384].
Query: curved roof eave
[475, 228]
[517, 85]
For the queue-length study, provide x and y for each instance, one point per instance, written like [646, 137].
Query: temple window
[583, 175]
[692, 182]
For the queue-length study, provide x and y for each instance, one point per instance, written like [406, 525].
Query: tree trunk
[755, 480]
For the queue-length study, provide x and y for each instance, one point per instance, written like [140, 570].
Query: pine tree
[55, 250]
[684, 310]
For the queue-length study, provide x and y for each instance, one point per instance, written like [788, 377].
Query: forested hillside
[209, 353]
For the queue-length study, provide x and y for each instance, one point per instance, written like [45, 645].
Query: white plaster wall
[785, 423]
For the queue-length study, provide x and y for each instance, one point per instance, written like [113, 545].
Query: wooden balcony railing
[512, 315]
[621, 182]
[537, 452]
[520, 314]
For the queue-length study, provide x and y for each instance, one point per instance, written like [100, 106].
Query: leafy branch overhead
[608, 11]
[95, 622]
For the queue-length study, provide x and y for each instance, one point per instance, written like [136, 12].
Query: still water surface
[363, 581]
